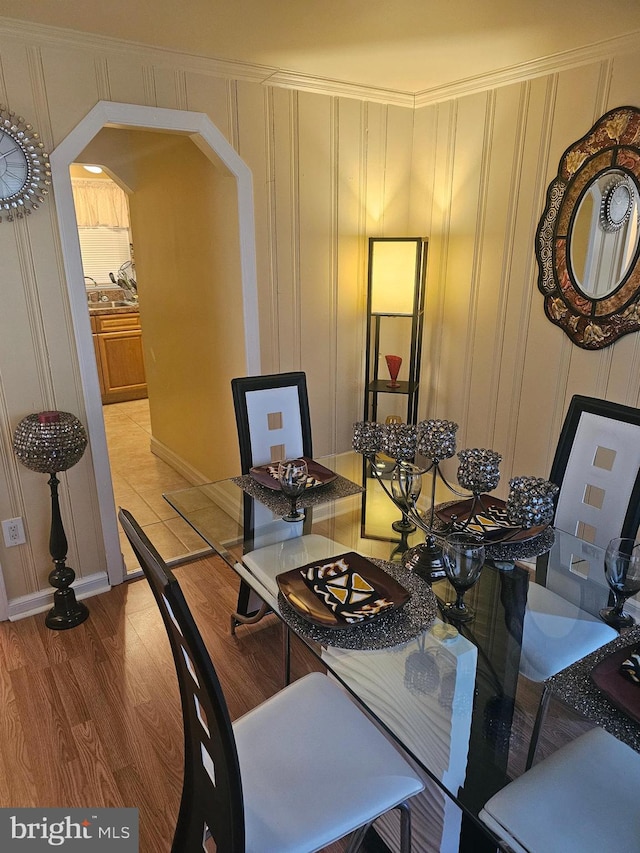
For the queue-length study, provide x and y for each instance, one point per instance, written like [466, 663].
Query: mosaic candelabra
[531, 499]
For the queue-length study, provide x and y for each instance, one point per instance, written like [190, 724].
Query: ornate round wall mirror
[588, 239]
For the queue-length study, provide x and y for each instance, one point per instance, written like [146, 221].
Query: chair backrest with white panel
[597, 466]
[272, 415]
[212, 801]
[273, 421]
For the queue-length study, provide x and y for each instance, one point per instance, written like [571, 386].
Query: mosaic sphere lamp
[50, 442]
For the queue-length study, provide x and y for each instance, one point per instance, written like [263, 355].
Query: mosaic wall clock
[25, 175]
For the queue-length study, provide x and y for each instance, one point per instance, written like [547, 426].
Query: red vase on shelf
[393, 363]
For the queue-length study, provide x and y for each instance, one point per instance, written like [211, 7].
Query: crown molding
[534, 68]
[263, 74]
[326, 86]
[272, 76]
[64, 38]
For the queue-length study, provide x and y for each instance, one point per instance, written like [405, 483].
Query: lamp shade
[394, 274]
[49, 442]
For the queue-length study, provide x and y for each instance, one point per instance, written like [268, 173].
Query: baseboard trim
[195, 477]
[228, 503]
[39, 602]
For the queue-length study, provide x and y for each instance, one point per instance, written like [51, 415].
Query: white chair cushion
[582, 799]
[557, 633]
[296, 799]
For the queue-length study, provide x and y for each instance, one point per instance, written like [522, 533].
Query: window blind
[104, 249]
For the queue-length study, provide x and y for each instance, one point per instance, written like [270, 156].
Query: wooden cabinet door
[96, 347]
[121, 364]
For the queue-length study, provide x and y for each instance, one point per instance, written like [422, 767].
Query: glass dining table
[461, 699]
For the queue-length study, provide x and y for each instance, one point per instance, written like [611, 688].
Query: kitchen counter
[112, 308]
[115, 300]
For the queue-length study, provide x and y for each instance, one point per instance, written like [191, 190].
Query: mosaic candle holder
[399, 441]
[437, 439]
[478, 471]
[49, 442]
[531, 501]
[367, 437]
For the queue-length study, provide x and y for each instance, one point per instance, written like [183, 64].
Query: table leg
[537, 726]
[286, 653]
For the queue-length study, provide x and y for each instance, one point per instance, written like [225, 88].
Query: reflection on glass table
[622, 571]
[575, 570]
[426, 688]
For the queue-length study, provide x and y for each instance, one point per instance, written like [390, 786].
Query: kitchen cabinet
[117, 340]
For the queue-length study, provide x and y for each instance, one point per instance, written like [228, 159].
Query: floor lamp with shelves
[395, 320]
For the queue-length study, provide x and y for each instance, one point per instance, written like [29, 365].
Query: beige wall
[493, 362]
[328, 171]
[184, 217]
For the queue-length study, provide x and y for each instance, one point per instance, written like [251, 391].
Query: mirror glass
[588, 238]
[604, 235]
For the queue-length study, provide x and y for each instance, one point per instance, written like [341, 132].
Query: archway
[215, 147]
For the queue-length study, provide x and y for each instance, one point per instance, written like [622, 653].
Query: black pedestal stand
[66, 611]
[426, 560]
[404, 526]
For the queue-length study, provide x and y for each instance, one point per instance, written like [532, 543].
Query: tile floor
[139, 480]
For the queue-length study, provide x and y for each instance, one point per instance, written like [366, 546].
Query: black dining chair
[273, 423]
[597, 466]
[272, 417]
[300, 771]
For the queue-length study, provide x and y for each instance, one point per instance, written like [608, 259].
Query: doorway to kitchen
[196, 357]
[139, 477]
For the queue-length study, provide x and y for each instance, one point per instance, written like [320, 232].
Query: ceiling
[403, 45]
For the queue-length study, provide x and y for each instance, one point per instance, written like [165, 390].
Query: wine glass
[406, 485]
[463, 557]
[622, 571]
[293, 475]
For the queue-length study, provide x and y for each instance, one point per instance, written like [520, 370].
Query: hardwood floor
[91, 716]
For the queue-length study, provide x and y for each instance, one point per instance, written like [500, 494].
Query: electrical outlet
[13, 532]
